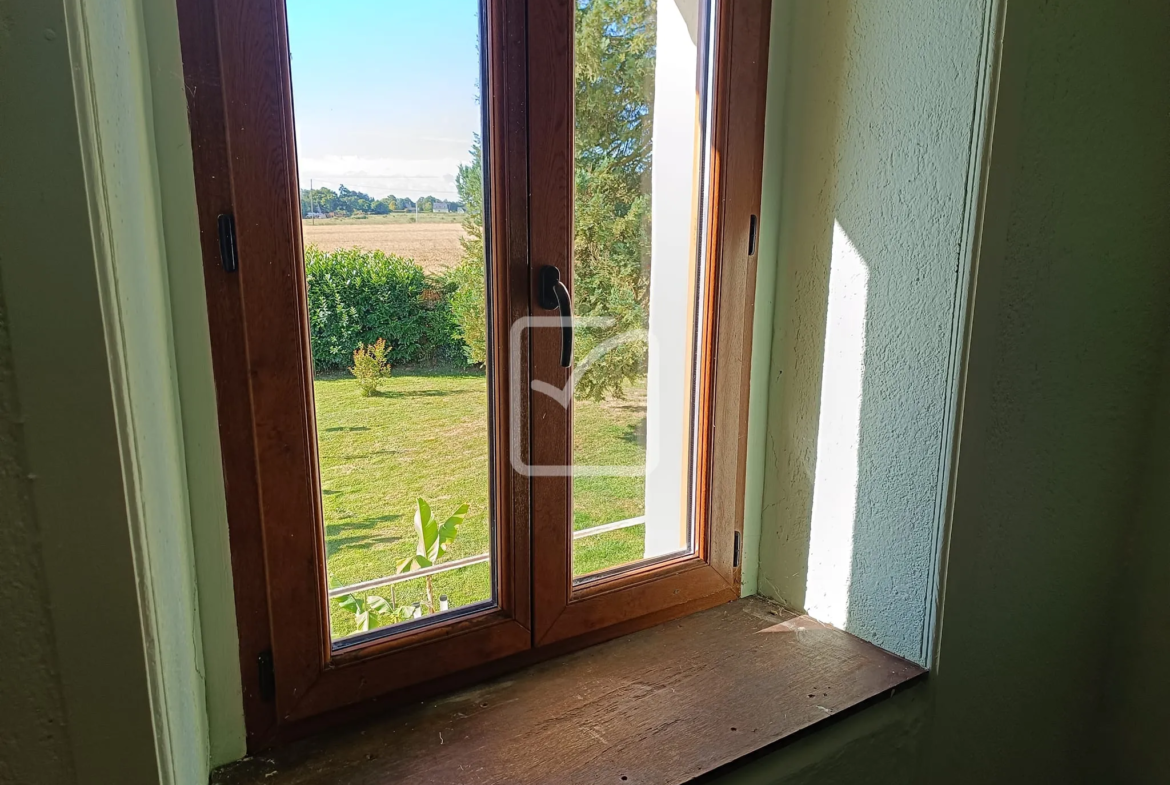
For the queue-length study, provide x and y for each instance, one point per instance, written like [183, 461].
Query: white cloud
[382, 176]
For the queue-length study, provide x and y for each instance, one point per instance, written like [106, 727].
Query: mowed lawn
[425, 434]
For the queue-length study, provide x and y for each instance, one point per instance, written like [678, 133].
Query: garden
[417, 336]
[422, 432]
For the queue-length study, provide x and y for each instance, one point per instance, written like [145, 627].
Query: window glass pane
[641, 67]
[388, 128]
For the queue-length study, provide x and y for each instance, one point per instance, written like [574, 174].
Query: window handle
[554, 296]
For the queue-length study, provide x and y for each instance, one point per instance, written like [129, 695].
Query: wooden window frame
[294, 681]
[711, 574]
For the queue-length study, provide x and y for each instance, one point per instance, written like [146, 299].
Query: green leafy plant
[434, 539]
[370, 366]
[374, 611]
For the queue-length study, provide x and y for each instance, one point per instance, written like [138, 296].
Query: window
[556, 456]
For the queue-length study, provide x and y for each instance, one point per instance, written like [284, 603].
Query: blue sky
[384, 92]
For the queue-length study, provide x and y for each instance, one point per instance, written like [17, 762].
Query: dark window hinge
[267, 675]
[228, 253]
[736, 549]
[753, 231]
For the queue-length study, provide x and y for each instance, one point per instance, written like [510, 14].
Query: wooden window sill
[665, 705]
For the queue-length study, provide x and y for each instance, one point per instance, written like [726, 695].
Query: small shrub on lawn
[370, 366]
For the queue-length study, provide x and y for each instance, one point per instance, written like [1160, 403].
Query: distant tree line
[344, 201]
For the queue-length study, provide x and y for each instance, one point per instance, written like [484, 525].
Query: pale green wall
[1137, 689]
[196, 385]
[765, 304]
[72, 454]
[1070, 320]
[34, 742]
[1060, 462]
[83, 259]
[137, 311]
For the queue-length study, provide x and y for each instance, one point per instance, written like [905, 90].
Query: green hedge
[358, 296]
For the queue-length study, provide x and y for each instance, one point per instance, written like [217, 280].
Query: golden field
[431, 240]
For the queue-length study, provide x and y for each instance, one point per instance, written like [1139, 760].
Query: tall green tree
[615, 52]
[469, 300]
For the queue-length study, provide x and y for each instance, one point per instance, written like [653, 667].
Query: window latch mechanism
[554, 296]
[267, 673]
[228, 254]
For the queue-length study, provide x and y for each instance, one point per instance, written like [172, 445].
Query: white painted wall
[672, 276]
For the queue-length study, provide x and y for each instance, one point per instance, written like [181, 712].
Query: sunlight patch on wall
[830, 557]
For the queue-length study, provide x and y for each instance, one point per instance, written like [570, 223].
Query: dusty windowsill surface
[665, 705]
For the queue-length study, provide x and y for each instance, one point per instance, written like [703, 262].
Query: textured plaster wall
[72, 460]
[1137, 698]
[34, 741]
[874, 142]
[1069, 323]
[1053, 634]
[83, 260]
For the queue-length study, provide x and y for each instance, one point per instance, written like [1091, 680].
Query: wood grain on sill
[664, 705]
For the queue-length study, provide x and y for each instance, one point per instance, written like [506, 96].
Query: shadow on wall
[872, 229]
